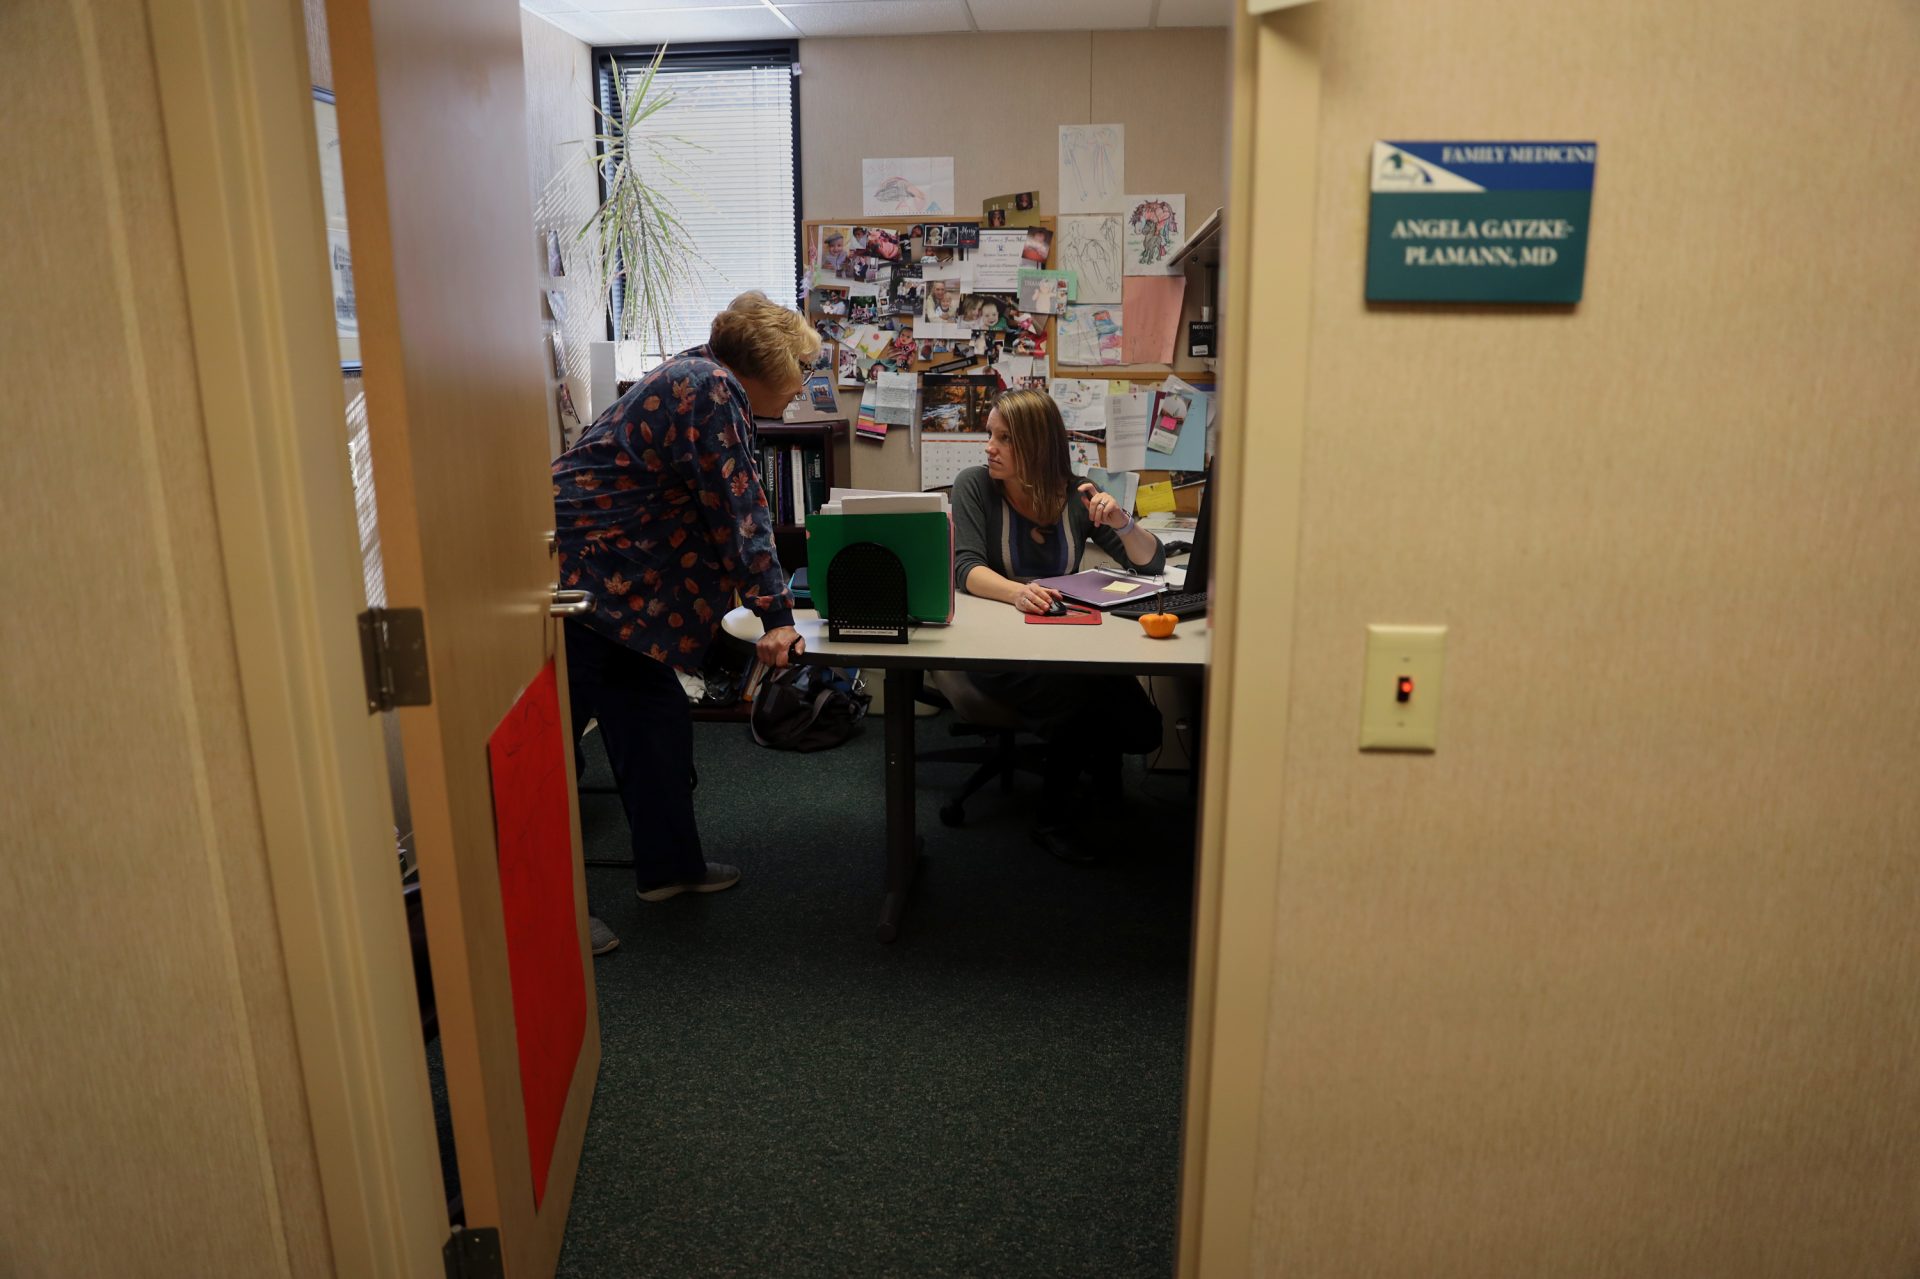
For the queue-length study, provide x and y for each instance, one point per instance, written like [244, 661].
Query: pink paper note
[1152, 305]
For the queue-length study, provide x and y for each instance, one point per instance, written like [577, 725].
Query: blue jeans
[646, 725]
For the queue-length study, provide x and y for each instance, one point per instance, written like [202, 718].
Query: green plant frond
[644, 253]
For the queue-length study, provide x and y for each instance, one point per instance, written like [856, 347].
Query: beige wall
[559, 111]
[153, 1116]
[866, 97]
[1624, 980]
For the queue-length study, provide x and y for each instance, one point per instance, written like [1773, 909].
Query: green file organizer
[922, 539]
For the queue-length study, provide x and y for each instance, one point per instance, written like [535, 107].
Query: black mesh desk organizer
[867, 590]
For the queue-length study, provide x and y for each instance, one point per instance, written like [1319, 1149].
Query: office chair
[1001, 754]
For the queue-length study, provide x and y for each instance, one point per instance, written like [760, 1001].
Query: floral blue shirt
[660, 514]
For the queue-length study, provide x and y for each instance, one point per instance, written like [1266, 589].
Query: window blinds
[731, 182]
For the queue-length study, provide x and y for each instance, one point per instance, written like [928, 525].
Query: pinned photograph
[559, 354]
[847, 364]
[557, 304]
[1033, 344]
[1039, 245]
[941, 301]
[556, 260]
[984, 311]
[1018, 209]
[946, 406]
[833, 247]
[1046, 292]
[820, 393]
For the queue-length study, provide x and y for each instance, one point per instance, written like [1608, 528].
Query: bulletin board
[842, 258]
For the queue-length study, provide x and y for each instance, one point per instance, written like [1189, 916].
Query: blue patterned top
[660, 513]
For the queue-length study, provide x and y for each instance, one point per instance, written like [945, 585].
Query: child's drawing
[1091, 248]
[922, 184]
[1156, 226]
[1093, 167]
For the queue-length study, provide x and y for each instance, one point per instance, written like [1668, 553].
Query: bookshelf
[815, 439]
[812, 439]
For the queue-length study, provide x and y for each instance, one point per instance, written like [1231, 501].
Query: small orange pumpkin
[1158, 625]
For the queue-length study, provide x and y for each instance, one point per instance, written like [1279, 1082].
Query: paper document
[892, 503]
[893, 401]
[1083, 404]
[1156, 497]
[1079, 342]
[1121, 486]
[1093, 167]
[996, 263]
[1092, 249]
[1127, 431]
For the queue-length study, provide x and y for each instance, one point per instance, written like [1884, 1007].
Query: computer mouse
[1057, 609]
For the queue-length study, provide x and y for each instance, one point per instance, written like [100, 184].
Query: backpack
[808, 708]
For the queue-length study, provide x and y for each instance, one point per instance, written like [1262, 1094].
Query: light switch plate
[1394, 652]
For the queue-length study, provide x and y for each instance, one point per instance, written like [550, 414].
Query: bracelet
[1128, 527]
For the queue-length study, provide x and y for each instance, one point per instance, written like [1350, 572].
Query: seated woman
[1023, 516]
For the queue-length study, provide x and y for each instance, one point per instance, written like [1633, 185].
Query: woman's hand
[1101, 508]
[1030, 598]
[778, 646]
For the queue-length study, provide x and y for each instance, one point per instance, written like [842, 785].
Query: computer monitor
[1200, 562]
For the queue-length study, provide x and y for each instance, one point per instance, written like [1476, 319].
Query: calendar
[942, 460]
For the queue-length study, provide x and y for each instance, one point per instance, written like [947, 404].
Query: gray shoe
[718, 877]
[600, 937]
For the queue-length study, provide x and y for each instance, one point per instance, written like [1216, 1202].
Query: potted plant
[643, 254]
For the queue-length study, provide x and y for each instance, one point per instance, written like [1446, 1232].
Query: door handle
[570, 603]
[553, 542]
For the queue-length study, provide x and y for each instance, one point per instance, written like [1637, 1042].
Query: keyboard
[1179, 603]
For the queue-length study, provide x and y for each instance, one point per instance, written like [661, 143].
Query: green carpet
[996, 1093]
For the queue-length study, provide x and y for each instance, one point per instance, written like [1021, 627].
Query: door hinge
[473, 1254]
[393, 655]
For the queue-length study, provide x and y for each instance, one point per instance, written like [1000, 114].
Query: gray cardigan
[983, 529]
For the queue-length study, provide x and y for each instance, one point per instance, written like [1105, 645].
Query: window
[737, 185]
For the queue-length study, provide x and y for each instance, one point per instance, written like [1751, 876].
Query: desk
[984, 635]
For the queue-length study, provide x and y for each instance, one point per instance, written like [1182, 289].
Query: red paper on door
[532, 830]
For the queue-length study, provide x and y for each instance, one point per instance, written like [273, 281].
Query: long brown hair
[1041, 468]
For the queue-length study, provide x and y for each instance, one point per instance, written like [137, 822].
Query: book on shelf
[794, 479]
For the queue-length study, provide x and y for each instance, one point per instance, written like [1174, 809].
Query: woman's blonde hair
[756, 337]
[1041, 466]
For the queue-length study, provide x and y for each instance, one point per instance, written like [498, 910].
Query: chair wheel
[953, 814]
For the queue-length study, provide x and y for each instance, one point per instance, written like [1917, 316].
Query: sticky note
[1155, 497]
[1120, 588]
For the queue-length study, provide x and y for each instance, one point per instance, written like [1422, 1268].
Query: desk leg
[903, 844]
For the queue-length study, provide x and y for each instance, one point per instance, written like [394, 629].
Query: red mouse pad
[1074, 616]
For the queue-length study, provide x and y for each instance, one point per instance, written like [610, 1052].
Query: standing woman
[1024, 516]
[660, 515]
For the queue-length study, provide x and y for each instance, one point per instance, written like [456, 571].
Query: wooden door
[431, 106]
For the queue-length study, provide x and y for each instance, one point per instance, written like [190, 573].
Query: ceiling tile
[878, 17]
[1060, 15]
[662, 6]
[1195, 13]
[580, 26]
[640, 26]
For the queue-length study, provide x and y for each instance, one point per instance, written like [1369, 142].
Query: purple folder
[1091, 586]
